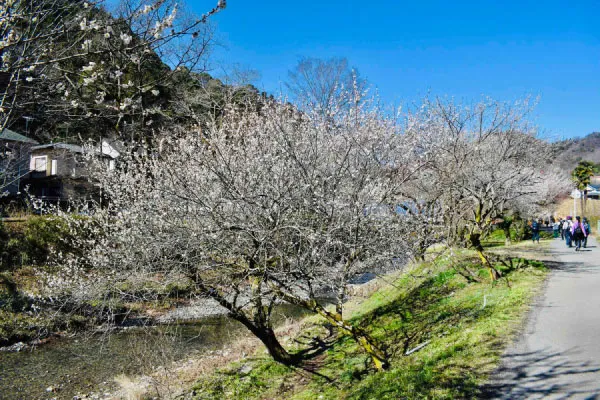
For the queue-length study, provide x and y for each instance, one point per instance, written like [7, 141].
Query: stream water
[85, 364]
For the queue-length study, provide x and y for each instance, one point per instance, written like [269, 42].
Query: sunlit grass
[464, 326]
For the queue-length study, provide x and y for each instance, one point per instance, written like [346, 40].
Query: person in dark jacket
[588, 231]
[535, 230]
[578, 233]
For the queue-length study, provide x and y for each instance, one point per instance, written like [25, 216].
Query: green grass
[432, 304]
[498, 235]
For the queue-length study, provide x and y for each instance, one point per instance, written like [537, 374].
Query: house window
[54, 167]
[38, 164]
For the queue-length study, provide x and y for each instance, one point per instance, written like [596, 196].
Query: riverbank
[445, 334]
[426, 311]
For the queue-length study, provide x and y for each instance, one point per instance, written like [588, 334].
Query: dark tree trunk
[506, 228]
[268, 338]
[372, 348]
[475, 241]
[259, 324]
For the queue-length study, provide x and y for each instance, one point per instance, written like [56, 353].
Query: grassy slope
[433, 304]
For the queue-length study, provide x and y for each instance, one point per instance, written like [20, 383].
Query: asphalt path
[557, 356]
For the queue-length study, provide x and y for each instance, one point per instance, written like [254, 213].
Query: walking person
[588, 231]
[568, 224]
[555, 229]
[578, 232]
[535, 231]
[562, 229]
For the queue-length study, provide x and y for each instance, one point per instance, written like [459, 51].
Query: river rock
[245, 369]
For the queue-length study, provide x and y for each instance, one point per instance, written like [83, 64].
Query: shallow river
[85, 364]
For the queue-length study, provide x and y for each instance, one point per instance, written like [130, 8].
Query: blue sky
[462, 49]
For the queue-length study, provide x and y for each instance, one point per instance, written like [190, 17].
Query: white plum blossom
[32, 38]
[89, 67]
[86, 44]
[100, 97]
[125, 38]
[125, 103]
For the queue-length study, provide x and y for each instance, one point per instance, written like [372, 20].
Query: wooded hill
[76, 72]
[570, 152]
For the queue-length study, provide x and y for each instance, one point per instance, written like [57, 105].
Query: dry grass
[565, 208]
[591, 211]
[167, 382]
[131, 389]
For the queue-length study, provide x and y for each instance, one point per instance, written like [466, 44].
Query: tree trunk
[475, 239]
[268, 338]
[506, 228]
[378, 356]
[259, 325]
[339, 305]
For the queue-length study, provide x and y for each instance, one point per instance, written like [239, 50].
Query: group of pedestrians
[574, 233]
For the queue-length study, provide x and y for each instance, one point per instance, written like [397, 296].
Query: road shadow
[539, 375]
[570, 267]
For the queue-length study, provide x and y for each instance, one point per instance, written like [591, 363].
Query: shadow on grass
[425, 312]
[415, 316]
[539, 375]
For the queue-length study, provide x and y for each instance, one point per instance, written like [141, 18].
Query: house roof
[71, 147]
[7, 134]
[106, 149]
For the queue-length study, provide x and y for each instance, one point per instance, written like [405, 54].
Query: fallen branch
[419, 347]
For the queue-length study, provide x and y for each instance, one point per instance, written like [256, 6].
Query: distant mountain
[570, 152]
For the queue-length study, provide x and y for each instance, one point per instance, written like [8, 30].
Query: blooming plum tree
[482, 160]
[259, 207]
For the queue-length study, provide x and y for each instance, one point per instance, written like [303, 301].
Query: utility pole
[27, 119]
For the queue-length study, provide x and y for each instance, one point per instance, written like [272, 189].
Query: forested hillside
[74, 71]
[570, 152]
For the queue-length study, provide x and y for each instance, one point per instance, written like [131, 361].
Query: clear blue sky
[407, 49]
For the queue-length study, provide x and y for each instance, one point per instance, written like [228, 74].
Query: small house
[58, 171]
[593, 191]
[14, 160]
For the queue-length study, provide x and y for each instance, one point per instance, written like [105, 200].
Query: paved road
[558, 354]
